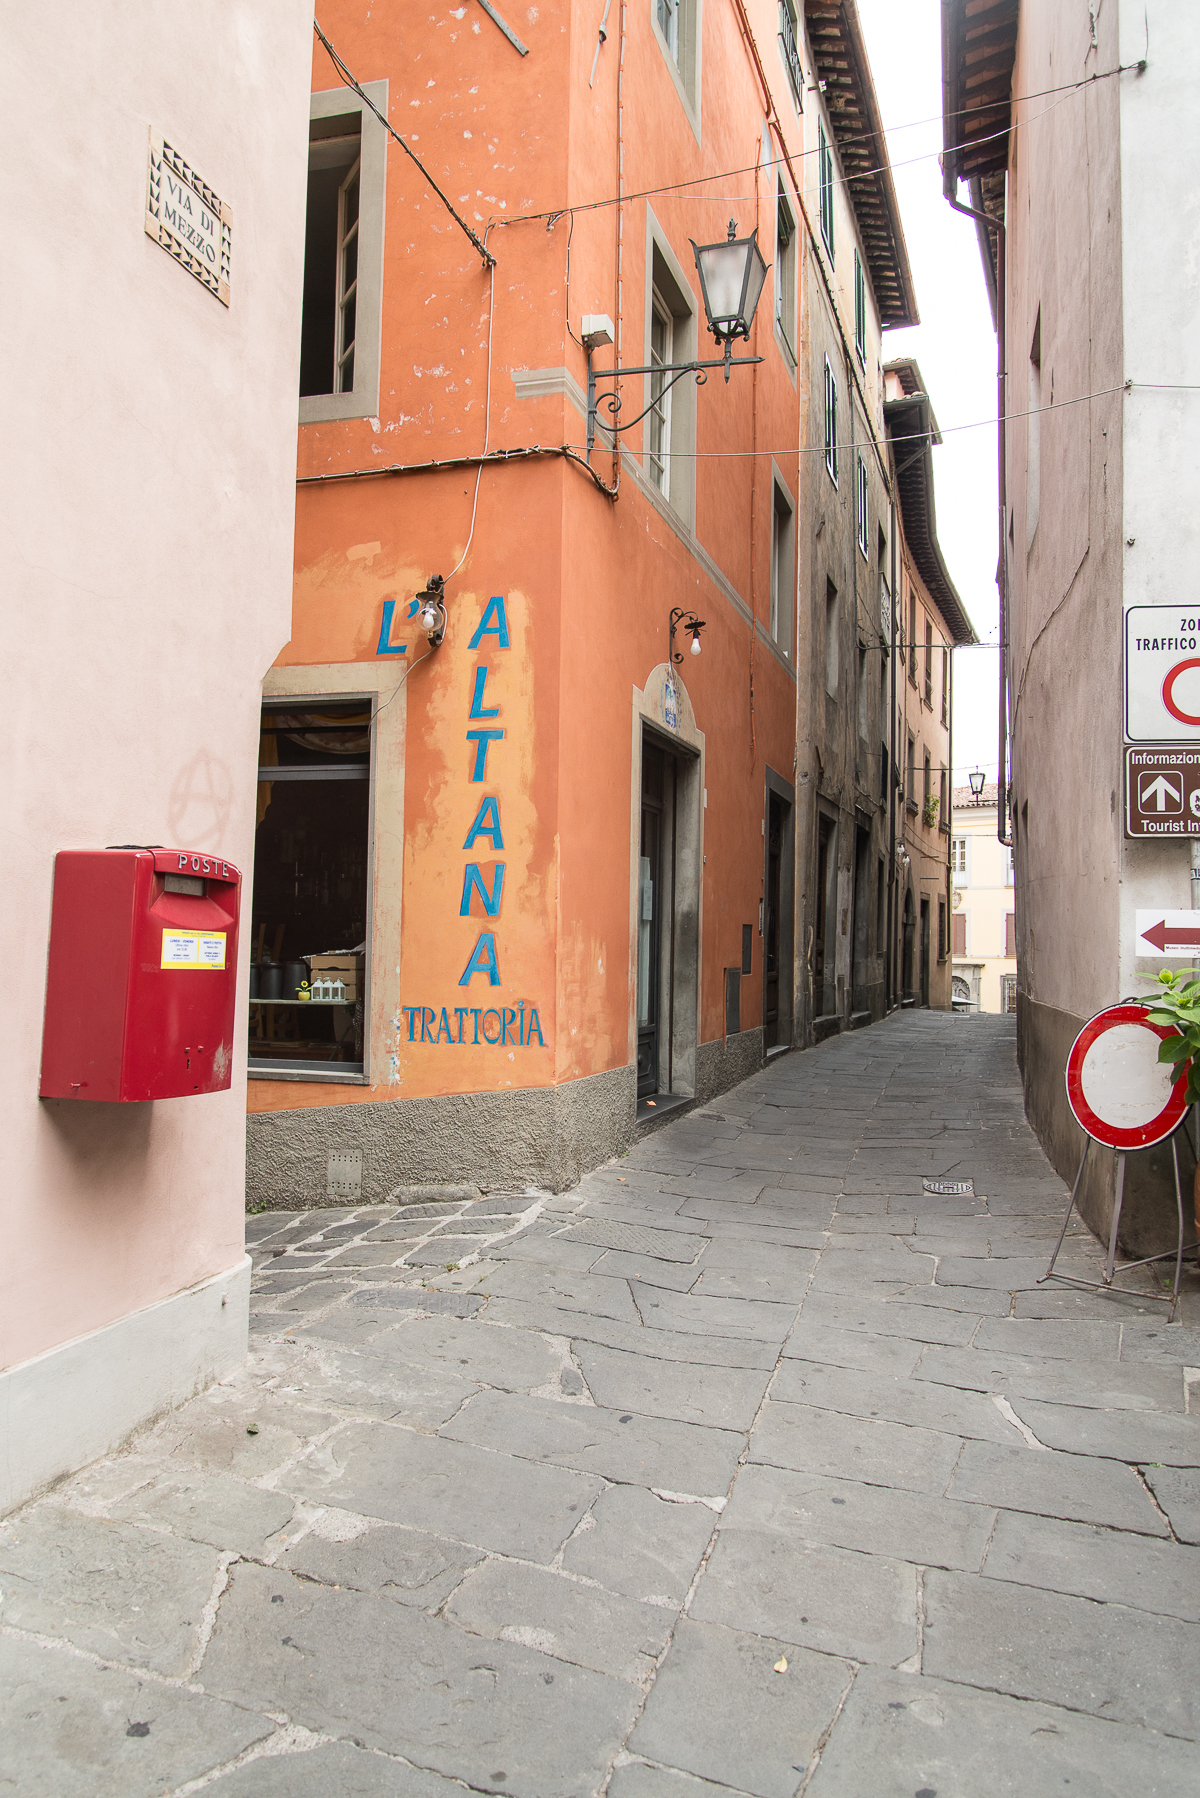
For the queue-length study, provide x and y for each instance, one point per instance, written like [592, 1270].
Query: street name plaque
[189, 220]
[1162, 792]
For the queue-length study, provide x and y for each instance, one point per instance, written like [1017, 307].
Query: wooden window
[1010, 933]
[785, 272]
[958, 927]
[929, 662]
[783, 581]
[945, 686]
[825, 182]
[831, 422]
[661, 333]
[860, 309]
[941, 930]
[791, 53]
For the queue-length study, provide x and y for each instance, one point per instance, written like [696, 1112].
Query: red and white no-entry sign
[1119, 1091]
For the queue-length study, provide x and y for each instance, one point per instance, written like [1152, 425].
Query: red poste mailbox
[142, 975]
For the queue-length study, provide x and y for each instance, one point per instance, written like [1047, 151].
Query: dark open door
[649, 920]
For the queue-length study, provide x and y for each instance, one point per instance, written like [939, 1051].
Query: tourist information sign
[1162, 792]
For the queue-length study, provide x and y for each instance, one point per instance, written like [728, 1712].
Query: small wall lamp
[691, 624]
[976, 779]
[432, 610]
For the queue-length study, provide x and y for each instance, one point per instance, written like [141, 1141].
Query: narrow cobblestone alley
[745, 1466]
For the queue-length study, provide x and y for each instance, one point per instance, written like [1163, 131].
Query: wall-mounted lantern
[432, 610]
[976, 779]
[689, 622]
[731, 280]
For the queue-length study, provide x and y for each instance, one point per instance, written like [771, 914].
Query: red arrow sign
[1161, 937]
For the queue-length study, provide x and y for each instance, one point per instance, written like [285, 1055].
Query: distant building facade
[982, 919]
[930, 622]
[1084, 213]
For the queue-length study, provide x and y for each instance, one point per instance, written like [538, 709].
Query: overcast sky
[954, 345]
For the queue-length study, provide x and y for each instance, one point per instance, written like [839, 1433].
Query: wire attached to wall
[348, 79]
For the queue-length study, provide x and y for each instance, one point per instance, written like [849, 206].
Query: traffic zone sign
[1118, 1089]
[1162, 792]
[1162, 674]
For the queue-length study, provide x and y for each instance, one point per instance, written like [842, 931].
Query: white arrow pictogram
[1160, 794]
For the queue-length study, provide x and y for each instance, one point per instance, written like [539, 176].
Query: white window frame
[831, 422]
[347, 291]
[658, 421]
[960, 860]
[362, 400]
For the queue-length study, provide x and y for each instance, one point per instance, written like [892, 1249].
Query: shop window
[308, 918]
[343, 257]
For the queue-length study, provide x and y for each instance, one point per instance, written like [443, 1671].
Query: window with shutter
[1010, 933]
[958, 929]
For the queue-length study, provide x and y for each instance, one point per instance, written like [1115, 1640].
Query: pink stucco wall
[148, 468]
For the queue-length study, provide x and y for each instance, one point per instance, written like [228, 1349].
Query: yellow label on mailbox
[193, 949]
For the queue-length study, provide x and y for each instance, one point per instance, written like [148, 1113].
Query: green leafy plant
[1176, 1006]
[931, 811]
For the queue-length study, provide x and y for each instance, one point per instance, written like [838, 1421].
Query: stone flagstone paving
[746, 1466]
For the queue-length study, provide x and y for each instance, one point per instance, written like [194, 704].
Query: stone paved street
[744, 1466]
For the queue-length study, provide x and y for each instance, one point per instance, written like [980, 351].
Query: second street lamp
[731, 274]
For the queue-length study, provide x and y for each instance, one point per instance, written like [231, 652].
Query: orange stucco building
[552, 879]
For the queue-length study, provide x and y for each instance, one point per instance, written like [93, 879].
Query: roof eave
[917, 510]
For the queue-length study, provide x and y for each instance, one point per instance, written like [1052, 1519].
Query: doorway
[654, 910]
[924, 952]
[860, 999]
[824, 983]
[907, 949]
[779, 885]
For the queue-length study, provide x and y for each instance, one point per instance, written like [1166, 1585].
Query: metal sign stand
[1106, 1285]
[1113, 1094]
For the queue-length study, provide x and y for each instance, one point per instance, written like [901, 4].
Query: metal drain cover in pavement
[949, 1188]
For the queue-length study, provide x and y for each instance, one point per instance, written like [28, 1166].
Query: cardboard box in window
[348, 968]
